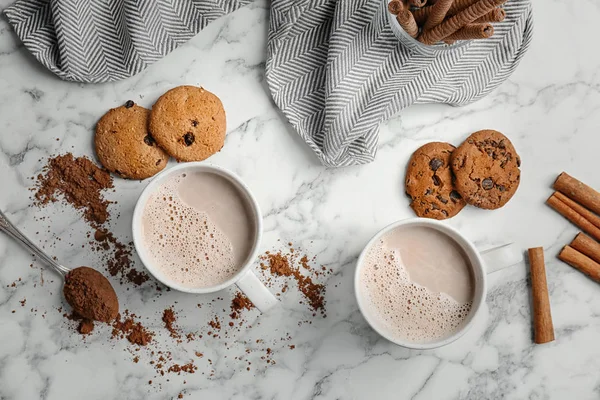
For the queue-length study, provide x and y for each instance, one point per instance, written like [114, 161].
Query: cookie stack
[187, 123]
[483, 171]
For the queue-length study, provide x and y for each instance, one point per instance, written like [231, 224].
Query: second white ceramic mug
[482, 263]
[245, 279]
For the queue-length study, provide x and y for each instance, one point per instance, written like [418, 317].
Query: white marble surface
[550, 108]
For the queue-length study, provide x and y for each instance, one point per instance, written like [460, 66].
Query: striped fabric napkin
[334, 67]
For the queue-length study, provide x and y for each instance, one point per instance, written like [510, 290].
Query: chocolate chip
[149, 140]
[158, 161]
[194, 123]
[445, 212]
[129, 104]
[435, 206]
[518, 161]
[435, 164]
[487, 184]
[436, 180]
[443, 200]
[501, 144]
[455, 195]
[501, 188]
[427, 192]
[188, 139]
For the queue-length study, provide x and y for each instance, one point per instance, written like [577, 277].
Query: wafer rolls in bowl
[442, 25]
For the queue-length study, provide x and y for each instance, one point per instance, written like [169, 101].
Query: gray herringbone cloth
[334, 67]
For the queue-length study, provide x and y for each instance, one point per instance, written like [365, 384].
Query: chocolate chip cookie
[429, 182]
[486, 167]
[125, 147]
[189, 123]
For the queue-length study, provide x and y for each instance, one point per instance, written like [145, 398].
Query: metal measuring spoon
[89, 293]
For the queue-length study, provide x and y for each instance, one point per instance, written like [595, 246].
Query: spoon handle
[7, 227]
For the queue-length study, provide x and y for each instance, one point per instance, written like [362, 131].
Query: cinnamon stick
[573, 216]
[438, 13]
[472, 31]
[542, 316]
[578, 191]
[580, 262]
[422, 14]
[586, 246]
[496, 15]
[584, 212]
[407, 22]
[458, 21]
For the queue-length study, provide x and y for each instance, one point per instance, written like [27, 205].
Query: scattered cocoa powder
[190, 368]
[279, 264]
[86, 326]
[215, 324]
[120, 261]
[169, 319]
[79, 181]
[239, 303]
[135, 332]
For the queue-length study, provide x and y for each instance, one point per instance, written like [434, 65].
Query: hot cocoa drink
[198, 229]
[418, 284]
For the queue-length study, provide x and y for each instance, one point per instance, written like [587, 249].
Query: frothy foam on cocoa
[184, 242]
[404, 309]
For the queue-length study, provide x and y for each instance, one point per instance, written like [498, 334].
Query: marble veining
[549, 108]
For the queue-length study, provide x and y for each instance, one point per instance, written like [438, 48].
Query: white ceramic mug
[245, 279]
[482, 263]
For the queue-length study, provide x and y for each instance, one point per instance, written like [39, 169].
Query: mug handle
[258, 293]
[501, 257]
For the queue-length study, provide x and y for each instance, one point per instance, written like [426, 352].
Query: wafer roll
[496, 15]
[407, 22]
[422, 14]
[438, 13]
[458, 21]
[395, 7]
[472, 31]
[417, 3]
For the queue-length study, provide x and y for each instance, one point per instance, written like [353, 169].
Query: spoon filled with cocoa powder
[88, 292]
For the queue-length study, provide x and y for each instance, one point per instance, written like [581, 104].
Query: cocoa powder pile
[79, 181]
[91, 295]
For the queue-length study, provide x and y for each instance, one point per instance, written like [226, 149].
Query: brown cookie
[429, 182]
[486, 167]
[189, 123]
[124, 145]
